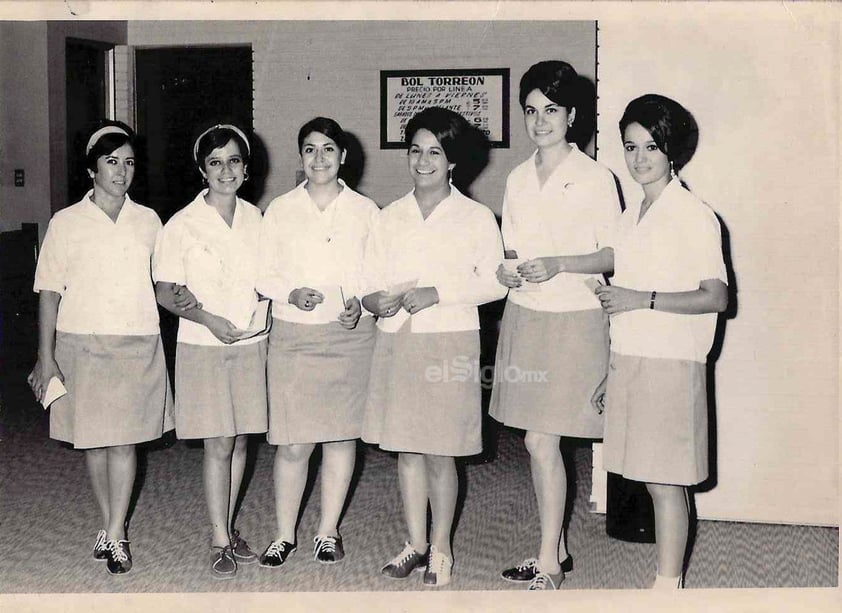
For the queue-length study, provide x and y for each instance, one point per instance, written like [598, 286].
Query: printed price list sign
[480, 95]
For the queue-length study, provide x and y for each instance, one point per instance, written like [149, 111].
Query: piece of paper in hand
[592, 283]
[511, 265]
[260, 320]
[55, 390]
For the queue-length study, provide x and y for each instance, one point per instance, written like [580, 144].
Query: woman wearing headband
[312, 249]
[99, 333]
[210, 246]
[432, 256]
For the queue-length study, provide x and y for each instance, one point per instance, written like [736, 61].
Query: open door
[180, 91]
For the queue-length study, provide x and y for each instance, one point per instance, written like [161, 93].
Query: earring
[569, 123]
[245, 177]
[673, 174]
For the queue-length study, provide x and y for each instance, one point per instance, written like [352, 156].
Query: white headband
[217, 127]
[102, 132]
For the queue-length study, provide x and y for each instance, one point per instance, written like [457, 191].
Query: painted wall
[765, 95]
[57, 34]
[304, 69]
[33, 114]
[24, 125]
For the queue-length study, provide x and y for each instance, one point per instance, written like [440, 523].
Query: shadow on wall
[354, 167]
[258, 168]
[713, 357]
[584, 128]
[478, 152]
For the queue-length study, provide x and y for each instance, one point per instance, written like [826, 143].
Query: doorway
[180, 91]
[87, 88]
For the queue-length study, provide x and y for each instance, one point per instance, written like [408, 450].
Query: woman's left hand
[540, 269]
[351, 315]
[419, 299]
[620, 299]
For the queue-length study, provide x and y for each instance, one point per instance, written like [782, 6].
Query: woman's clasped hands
[537, 270]
[384, 304]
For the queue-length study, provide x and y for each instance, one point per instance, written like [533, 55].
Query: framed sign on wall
[480, 95]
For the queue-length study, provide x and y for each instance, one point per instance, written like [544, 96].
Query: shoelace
[437, 563]
[542, 581]
[118, 551]
[324, 543]
[238, 544]
[101, 541]
[276, 548]
[404, 556]
[224, 554]
[527, 564]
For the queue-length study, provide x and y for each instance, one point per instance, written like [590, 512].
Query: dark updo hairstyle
[108, 143]
[671, 125]
[553, 78]
[449, 128]
[560, 82]
[326, 126]
[216, 138]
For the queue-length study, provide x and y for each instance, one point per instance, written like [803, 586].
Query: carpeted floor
[48, 520]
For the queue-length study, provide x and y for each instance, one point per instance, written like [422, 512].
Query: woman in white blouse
[669, 282]
[312, 248]
[99, 334]
[553, 349]
[433, 257]
[210, 247]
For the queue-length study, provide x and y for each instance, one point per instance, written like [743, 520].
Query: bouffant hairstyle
[560, 82]
[671, 125]
[555, 79]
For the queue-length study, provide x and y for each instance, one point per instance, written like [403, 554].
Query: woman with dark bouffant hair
[313, 247]
[557, 202]
[432, 257]
[99, 333]
[209, 250]
[669, 283]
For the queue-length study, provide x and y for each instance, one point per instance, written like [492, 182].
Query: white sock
[667, 583]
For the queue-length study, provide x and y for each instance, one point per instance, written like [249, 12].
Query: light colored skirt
[220, 391]
[656, 426]
[118, 391]
[318, 377]
[547, 369]
[424, 395]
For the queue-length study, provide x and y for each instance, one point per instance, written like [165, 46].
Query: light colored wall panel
[24, 125]
[765, 94]
[303, 69]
